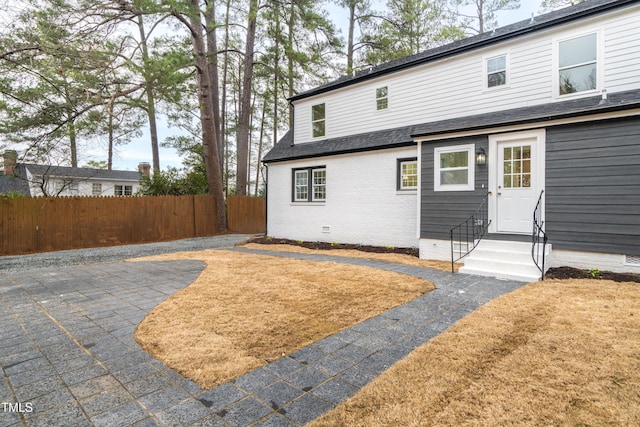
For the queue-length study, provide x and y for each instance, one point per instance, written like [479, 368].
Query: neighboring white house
[39, 180]
[542, 115]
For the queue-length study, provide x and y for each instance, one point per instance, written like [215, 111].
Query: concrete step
[503, 259]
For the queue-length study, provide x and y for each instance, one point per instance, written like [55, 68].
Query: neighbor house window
[408, 174]
[577, 64]
[497, 71]
[96, 189]
[123, 190]
[318, 120]
[454, 168]
[310, 184]
[382, 98]
[74, 188]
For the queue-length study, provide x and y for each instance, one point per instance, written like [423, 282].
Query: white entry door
[518, 183]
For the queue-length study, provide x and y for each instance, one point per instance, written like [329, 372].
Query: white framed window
[122, 190]
[382, 98]
[496, 71]
[319, 185]
[301, 185]
[318, 125]
[408, 174]
[96, 189]
[577, 64]
[454, 168]
[309, 184]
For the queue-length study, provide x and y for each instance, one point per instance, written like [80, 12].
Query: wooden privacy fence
[49, 224]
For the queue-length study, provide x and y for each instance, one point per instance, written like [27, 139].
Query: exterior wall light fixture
[481, 157]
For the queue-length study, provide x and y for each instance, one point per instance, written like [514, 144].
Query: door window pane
[516, 167]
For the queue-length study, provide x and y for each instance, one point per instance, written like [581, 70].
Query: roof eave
[579, 14]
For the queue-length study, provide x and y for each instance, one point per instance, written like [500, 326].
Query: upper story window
[408, 174]
[310, 184]
[318, 120]
[577, 64]
[496, 71]
[382, 98]
[454, 168]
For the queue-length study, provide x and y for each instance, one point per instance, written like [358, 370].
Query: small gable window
[382, 98]
[318, 120]
[496, 71]
[577, 64]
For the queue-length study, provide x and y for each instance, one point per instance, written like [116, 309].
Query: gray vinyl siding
[440, 211]
[593, 186]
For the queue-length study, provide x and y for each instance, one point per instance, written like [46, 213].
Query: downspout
[291, 120]
[266, 203]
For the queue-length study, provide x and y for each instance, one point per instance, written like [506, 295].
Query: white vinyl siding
[453, 87]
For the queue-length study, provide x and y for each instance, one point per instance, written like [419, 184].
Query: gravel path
[115, 253]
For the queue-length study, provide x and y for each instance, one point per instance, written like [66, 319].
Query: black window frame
[310, 184]
[399, 163]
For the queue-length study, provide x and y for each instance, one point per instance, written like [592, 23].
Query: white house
[39, 180]
[540, 116]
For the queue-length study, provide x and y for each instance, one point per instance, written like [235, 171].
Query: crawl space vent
[632, 259]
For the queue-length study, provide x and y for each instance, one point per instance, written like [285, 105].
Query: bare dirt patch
[246, 310]
[551, 353]
[407, 256]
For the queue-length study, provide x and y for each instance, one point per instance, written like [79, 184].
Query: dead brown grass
[353, 253]
[563, 353]
[246, 310]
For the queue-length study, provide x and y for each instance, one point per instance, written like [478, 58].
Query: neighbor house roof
[403, 136]
[538, 23]
[82, 173]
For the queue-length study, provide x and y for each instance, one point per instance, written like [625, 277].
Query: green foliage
[173, 182]
[595, 272]
[96, 164]
[409, 27]
[11, 195]
[484, 15]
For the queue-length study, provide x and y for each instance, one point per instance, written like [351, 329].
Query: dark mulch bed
[576, 273]
[326, 245]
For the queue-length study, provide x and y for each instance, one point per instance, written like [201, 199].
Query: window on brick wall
[408, 174]
[309, 184]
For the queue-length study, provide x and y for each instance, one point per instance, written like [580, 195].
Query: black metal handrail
[468, 234]
[538, 235]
